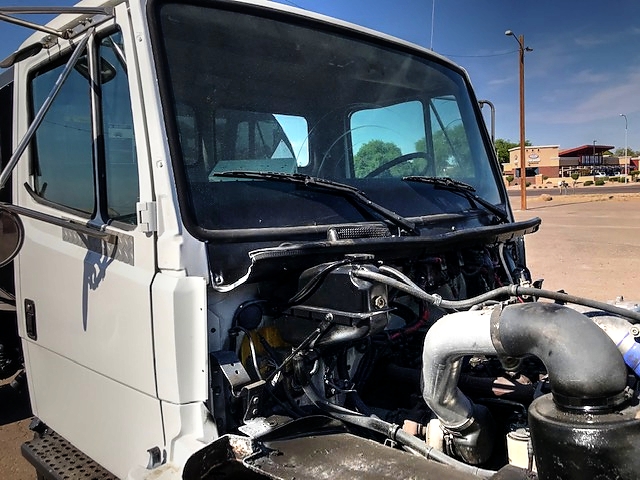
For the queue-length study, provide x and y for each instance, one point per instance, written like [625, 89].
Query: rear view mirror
[107, 71]
[11, 236]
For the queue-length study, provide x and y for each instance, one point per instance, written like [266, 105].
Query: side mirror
[11, 236]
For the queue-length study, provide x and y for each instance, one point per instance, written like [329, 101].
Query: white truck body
[139, 268]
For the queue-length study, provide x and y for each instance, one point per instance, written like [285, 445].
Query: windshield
[252, 91]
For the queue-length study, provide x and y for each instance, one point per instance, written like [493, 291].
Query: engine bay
[448, 356]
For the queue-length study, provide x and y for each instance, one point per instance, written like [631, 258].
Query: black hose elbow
[586, 370]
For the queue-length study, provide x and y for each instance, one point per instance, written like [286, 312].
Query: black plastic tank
[571, 445]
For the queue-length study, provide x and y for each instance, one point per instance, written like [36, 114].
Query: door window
[64, 160]
[120, 154]
[63, 167]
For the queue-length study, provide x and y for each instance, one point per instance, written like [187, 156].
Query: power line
[480, 56]
[291, 3]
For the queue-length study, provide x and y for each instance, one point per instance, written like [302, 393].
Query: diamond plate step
[54, 458]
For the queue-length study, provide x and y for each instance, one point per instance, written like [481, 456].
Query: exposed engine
[449, 356]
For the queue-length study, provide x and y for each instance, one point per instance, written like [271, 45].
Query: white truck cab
[241, 240]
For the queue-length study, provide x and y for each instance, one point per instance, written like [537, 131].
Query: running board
[54, 458]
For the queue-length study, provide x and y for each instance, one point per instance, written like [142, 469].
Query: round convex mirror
[11, 236]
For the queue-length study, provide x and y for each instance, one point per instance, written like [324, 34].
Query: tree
[509, 179]
[575, 176]
[373, 154]
[452, 157]
[619, 152]
[503, 147]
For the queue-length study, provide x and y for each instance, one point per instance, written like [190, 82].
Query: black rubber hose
[633, 317]
[509, 290]
[586, 370]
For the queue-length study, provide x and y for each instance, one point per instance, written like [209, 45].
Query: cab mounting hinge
[147, 218]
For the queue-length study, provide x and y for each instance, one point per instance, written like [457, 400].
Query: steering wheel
[396, 161]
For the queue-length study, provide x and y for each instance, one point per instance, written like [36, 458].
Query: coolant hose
[622, 334]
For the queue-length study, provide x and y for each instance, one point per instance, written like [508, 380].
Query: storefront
[551, 162]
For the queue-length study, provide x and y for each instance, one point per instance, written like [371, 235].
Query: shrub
[599, 182]
[588, 182]
[575, 176]
[545, 178]
[528, 184]
[614, 179]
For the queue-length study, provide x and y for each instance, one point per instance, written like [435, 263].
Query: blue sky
[583, 73]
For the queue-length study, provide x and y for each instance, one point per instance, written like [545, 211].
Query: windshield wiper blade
[464, 189]
[331, 186]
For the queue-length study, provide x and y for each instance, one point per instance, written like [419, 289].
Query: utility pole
[626, 157]
[523, 163]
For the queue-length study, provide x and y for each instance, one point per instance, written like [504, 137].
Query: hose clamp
[592, 405]
[495, 331]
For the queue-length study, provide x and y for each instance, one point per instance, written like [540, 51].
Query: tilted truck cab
[248, 241]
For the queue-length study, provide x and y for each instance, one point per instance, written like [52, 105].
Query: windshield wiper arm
[343, 189]
[464, 189]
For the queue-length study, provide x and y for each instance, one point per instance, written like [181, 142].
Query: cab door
[84, 299]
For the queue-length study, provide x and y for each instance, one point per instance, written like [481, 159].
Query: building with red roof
[550, 161]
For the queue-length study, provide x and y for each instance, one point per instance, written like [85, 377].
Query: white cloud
[589, 76]
[605, 37]
[592, 40]
[498, 82]
[604, 102]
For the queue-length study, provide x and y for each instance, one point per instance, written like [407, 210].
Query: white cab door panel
[84, 308]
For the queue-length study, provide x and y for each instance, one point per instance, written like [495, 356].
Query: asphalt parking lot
[588, 245]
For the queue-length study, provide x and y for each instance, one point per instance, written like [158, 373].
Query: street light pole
[523, 166]
[626, 158]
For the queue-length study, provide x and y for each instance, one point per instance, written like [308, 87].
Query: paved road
[606, 189]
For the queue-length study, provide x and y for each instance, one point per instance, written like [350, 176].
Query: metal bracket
[242, 386]
[233, 370]
[253, 399]
[157, 457]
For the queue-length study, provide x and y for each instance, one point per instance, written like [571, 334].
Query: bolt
[379, 302]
